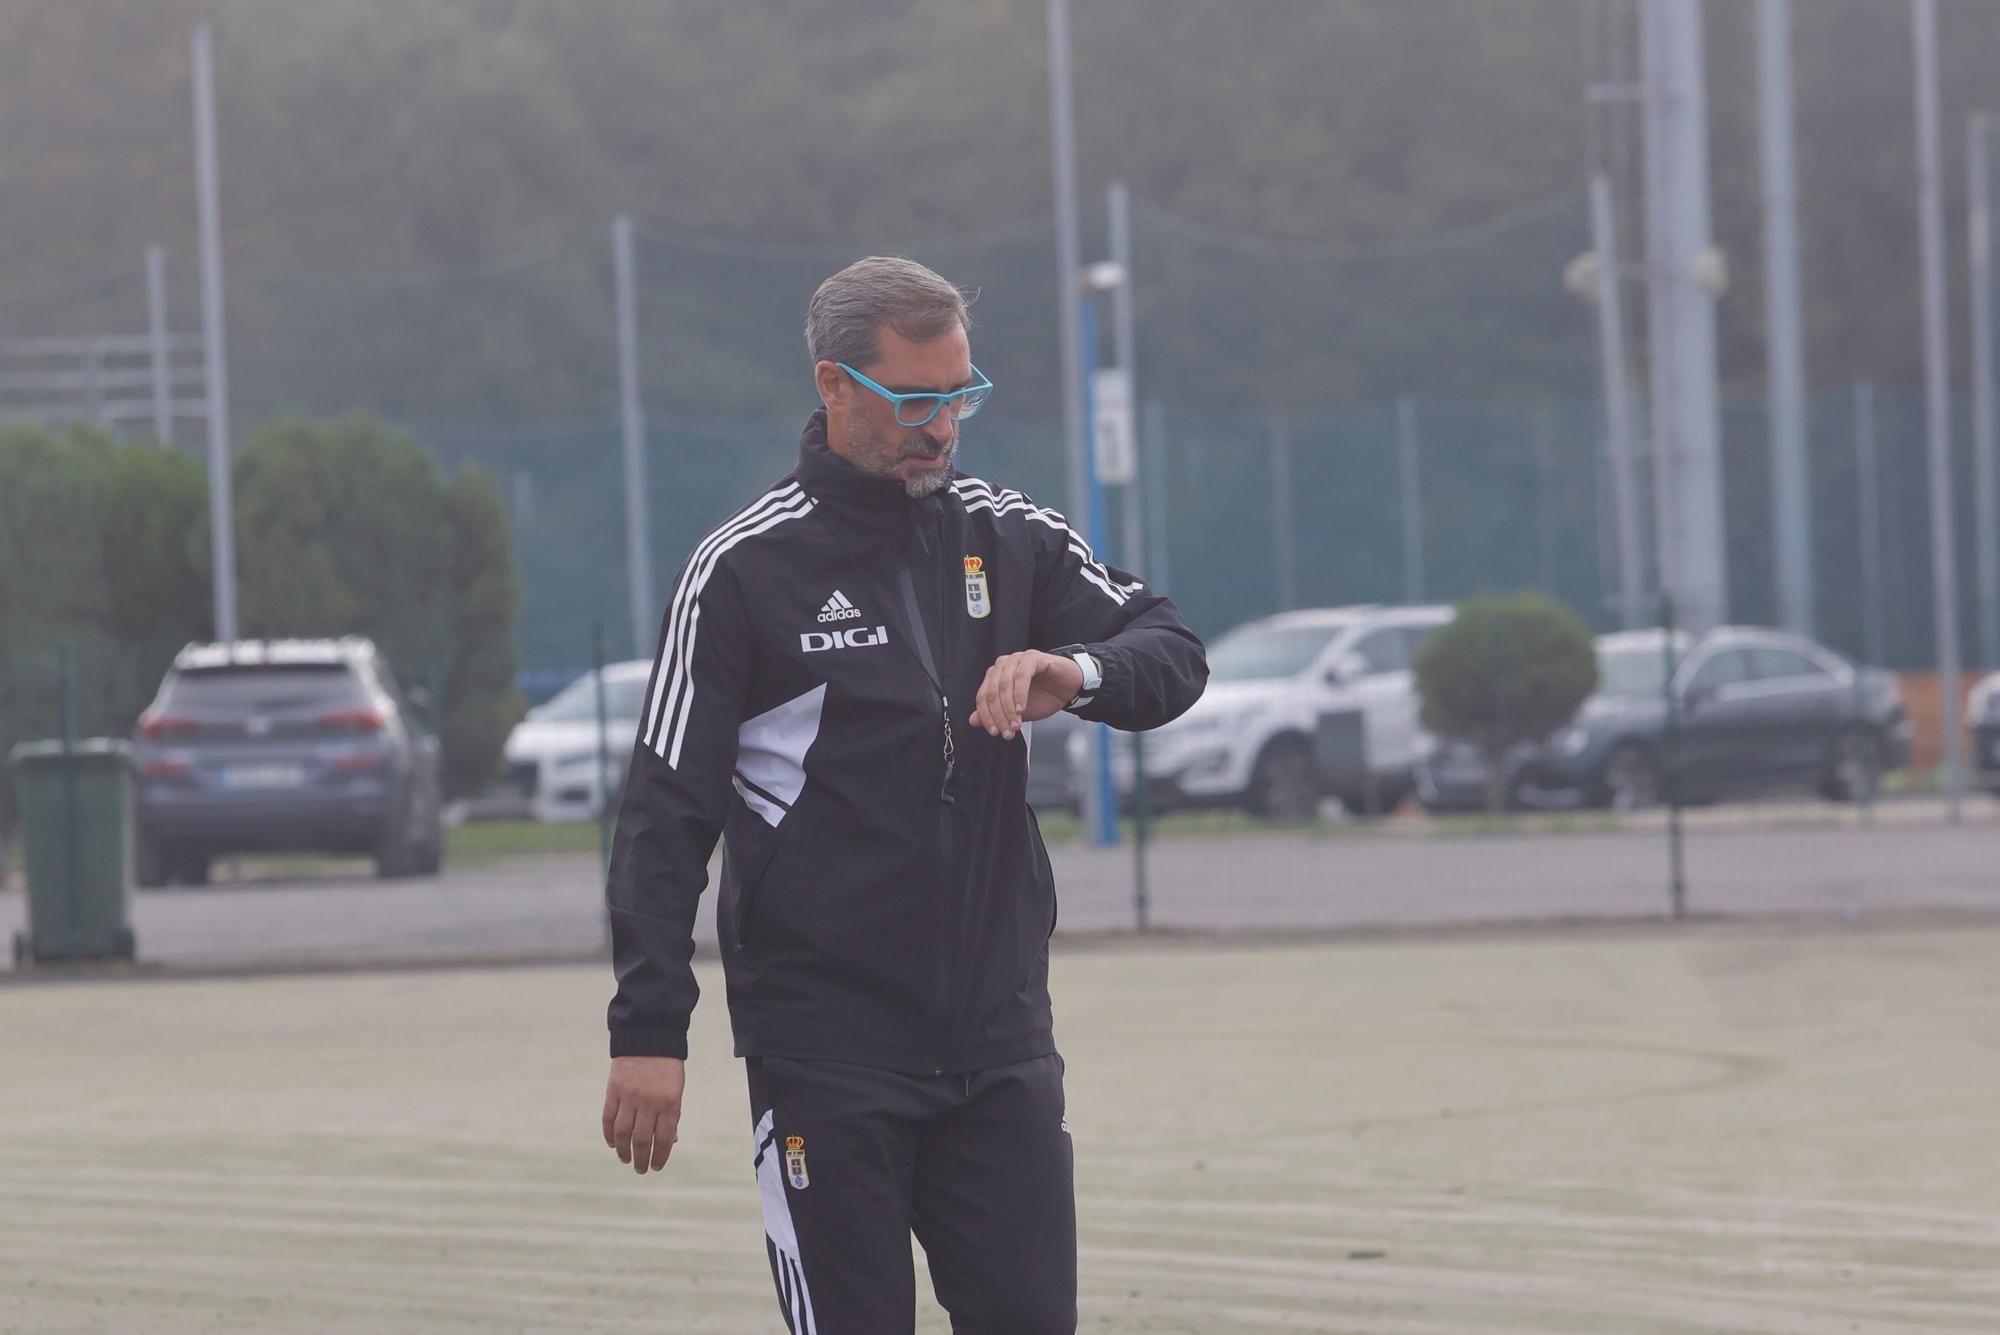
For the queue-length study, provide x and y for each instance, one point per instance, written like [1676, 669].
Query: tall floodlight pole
[161, 355]
[1986, 525]
[1125, 347]
[1686, 275]
[1617, 398]
[1937, 390]
[221, 502]
[1069, 319]
[1069, 261]
[638, 535]
[1791, 480]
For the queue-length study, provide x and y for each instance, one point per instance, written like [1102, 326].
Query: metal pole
[1617, 397]
[1686, 420]
[1937, 393]
[1069, 320]
[1125, 345]
[1791, 480]
[1153, 478]
[1284, 549]
[1671, 769]
[1069, 261]
[156, 337]
[605, 815]
[221, 502]
[1413, 499]
[1102, 796]
[1986, 524]
[72, 814]
[638, 534]
[1874, 635]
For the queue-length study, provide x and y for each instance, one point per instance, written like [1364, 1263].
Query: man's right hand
[642, 1109]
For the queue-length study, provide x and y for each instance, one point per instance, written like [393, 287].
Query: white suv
[1278, 688]
[552, 758]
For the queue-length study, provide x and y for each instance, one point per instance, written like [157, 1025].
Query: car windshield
[624, 697]
[1636, 671]
[1267, 652]
[234, 691]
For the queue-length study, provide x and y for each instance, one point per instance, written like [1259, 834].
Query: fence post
[1670, 766]
[1413, 499]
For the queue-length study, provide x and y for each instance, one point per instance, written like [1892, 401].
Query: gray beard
[925, 484]
[933, 482]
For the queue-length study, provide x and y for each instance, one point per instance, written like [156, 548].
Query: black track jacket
[886, 898]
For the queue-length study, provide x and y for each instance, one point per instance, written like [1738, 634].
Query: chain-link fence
[1399, 428]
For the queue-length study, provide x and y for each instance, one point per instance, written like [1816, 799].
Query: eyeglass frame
[897, 400]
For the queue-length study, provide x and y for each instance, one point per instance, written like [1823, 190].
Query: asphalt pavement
[1334, 878]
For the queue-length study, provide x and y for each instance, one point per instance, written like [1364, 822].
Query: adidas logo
[838, 609]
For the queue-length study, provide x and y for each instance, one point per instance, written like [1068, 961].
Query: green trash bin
[80, 875]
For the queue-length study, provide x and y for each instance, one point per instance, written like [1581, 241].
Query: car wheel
[1388, 795]
[395, 856]
[1856, 773]
[124, 945]
[190, 868]
[430, 858]
[1631, 779]
[1284, 785]
[21, 950]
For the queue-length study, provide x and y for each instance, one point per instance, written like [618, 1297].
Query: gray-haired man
[846, 678]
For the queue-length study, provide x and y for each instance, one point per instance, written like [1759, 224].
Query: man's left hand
[1025, 688]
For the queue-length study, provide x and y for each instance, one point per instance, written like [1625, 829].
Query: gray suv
[284, 745]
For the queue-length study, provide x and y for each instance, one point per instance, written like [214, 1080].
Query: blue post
[1106, 834]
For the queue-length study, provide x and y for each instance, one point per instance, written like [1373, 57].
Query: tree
[103, 550]
[346, 527]
[1508, 669]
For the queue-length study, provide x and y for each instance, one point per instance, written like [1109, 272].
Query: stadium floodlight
[1103, 276]
[1583, 277]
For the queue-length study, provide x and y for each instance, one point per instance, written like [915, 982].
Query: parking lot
[1411, 872]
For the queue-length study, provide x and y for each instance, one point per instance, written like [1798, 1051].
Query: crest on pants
[795, 1163]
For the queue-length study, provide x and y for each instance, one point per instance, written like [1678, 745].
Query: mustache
[939, 453]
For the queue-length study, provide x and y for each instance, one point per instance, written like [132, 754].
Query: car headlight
[1571, 742]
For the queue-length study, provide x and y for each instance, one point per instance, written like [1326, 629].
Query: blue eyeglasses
[918, 409]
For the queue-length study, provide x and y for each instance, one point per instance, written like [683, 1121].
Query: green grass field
[1747, 1127]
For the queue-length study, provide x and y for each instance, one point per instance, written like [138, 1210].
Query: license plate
[263, 776]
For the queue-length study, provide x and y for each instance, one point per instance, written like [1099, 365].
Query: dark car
[1982, 715]
[284, 745]
[1756, 709]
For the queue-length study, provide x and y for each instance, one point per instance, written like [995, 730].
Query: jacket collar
[875, 502]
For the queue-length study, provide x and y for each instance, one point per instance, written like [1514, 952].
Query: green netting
[514, 365]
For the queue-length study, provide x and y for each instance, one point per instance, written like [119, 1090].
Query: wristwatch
[1093, 675]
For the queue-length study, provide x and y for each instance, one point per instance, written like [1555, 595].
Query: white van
[1256, 738]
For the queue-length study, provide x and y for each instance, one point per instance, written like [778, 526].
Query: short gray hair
[847, 313]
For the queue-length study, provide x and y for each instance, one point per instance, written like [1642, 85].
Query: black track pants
[851, 1160]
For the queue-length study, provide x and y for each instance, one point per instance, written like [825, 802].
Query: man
[845, 680]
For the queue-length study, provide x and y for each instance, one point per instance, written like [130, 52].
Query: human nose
[941, 426]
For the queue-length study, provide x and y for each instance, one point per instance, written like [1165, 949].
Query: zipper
[944, 947]
[952, 911]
